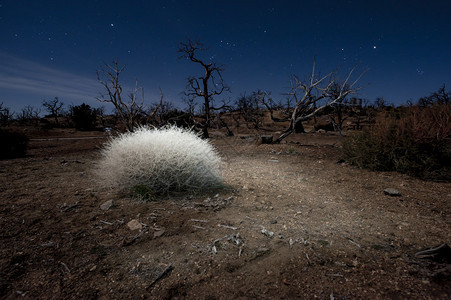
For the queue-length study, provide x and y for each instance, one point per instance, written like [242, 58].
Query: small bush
[142, 192]
[83, 116]
[161, 161]
[412, 140]
[13, 144]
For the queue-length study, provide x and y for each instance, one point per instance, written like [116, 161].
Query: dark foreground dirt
[292, 223]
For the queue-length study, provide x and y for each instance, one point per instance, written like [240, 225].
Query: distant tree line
[327, 99]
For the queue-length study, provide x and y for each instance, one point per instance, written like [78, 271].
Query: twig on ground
[128, 240]
[201, 221]
[199, 227]
[166, 271]
[354, 243]
[66, 269]
[105, 222]
[308, 258]
[228, 227]
[66, 208]
[335, 275]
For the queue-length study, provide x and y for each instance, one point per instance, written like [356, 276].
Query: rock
[134, 225]
[106, 205]
[158, 233]
[261, 251]
[392, 192]
[267, 232]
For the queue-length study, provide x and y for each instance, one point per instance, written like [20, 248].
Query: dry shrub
[413, 140]
[12, 144]
[159, 161]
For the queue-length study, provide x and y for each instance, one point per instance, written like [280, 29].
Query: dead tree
[250, 110]
[311, 97]
[338, 111]
[54, 107]
[205, 87]
[131, 111]
[29, 114]
[5, 115]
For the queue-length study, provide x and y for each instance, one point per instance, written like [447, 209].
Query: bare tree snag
[54, 107]
[129, 111]
[311, 97]
[205, 87]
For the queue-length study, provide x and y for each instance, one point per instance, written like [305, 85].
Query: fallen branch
[166, 271]
[439, 253]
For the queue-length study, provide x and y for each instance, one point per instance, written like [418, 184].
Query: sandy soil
[293, 222]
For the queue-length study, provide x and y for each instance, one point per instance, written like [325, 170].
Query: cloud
[23, 77]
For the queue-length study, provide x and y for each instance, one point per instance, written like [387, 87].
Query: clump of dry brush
[159, 161]
[413, 140]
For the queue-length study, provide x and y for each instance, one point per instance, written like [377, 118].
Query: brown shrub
[413, 140]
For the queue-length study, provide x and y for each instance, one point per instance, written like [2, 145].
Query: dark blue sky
[52, 48]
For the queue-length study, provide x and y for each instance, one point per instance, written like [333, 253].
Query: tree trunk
[299, 128]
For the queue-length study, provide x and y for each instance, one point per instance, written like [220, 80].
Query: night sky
[53, 48]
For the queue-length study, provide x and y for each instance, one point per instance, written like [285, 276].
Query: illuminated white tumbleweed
[168, 159]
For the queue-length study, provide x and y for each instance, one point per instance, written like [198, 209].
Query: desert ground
[292, 222]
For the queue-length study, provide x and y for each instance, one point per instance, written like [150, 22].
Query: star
[374, 47]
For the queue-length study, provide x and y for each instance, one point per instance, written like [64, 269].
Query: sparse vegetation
[414, 140]
[83, 117]
[5, 115]
[163, 160]
[142, 192]
[12, 144]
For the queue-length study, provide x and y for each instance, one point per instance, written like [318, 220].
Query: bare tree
[207, 86]
[311, 97]
[129, 111]
[439, 97]
[29, 114]
[5, 115]
[339, 111]
[54, 108]
[380, 104]
[250, 110]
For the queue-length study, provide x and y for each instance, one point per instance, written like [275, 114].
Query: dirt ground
[293, 222]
